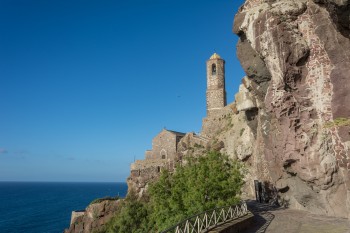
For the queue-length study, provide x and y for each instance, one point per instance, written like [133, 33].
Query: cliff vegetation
[204, 183]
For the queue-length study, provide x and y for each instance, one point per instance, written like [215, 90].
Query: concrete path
[280, 220]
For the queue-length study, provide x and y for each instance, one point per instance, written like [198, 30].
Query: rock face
[290, 122]
[296, 54]
[93, 218]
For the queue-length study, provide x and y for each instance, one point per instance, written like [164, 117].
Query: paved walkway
[280, 220]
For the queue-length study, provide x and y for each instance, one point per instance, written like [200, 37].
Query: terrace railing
[210, 219]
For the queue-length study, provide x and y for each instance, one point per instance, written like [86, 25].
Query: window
[213, 69]
[163, 154]
[158, 169]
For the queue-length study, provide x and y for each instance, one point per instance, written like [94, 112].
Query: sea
[46, 207]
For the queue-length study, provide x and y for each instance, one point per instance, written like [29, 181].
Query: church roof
[175, 132]
[215, 56]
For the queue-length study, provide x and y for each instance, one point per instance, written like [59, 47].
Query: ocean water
[42, 207]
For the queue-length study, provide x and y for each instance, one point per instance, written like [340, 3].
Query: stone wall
[143, 172]
[216, 121]
[142, 164]
[148, 154]
[164, 145]
[192, 145]
[162, 156]
[215, 101]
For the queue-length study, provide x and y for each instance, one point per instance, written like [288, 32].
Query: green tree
[204, 183]
[131, 217]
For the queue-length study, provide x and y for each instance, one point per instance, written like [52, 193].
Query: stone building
[217, 108]
[162, 156]
[164, 145]
[216, 93]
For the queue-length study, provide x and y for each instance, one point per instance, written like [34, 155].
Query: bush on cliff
[131, 217]
[99, 200]
[203, 183]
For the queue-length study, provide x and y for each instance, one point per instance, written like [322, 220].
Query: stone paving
[268, 219]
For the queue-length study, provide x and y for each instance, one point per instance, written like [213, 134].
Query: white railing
[209, 219]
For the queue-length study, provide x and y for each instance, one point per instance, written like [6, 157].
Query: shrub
[99, 200]
[241, 132]
[206, 182]
[341, 121]
[131, 217]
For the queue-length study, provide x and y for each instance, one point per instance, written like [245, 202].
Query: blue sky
[86, 85]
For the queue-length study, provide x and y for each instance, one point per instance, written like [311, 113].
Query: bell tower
[216, 93]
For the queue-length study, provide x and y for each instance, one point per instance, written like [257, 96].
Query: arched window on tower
[213, 69]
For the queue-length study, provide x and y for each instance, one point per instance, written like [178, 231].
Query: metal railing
[209, 219]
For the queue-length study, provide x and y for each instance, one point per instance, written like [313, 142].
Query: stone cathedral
[168, 146]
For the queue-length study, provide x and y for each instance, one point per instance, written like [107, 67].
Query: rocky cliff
[94, 217]
[295, 133]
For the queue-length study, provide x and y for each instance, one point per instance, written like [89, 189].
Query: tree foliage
[203, 183]
[131, 217]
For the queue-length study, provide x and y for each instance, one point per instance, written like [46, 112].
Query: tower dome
[215, 56]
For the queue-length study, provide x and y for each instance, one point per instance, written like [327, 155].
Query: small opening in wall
[213, 69]
[163, 156]
[158, 169]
